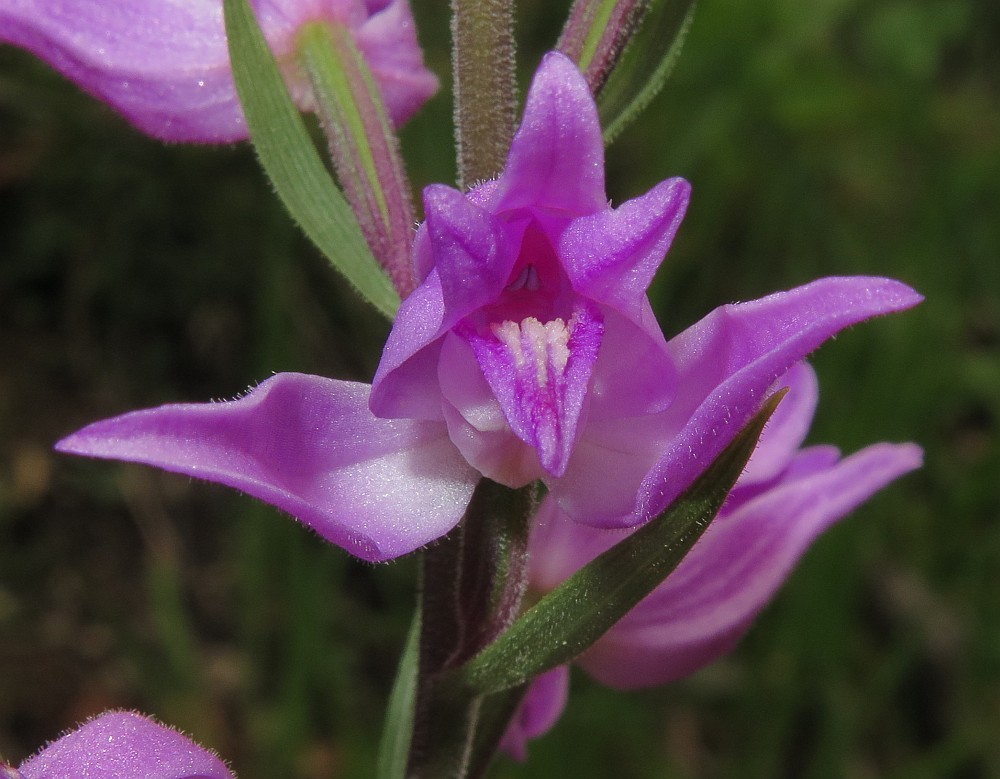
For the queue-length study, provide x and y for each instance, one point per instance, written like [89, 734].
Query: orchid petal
[539, 711]
[124, 745]
[708, 603]
[612, 255]
[556, 159]
[423, 254]
[474, 261]
[725, 364]
[635, 374]
[310, 446]
[388, 39]
[164, 64]
[405, 384]
[473, 256]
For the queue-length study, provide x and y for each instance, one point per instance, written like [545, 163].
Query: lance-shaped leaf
[394, 746]
[578, 612]
[645, 64]
[293, 164]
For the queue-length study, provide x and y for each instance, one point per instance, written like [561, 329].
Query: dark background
[821, 138]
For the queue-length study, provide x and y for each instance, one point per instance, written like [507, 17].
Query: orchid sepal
[123, 745]
[309, 446]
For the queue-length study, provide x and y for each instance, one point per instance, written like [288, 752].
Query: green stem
[494, 716]
[443, 724]
[485, 91]
[472, 584]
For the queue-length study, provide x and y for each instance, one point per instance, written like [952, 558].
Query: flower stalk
[483, 63]
[363, 145]
[472, 585]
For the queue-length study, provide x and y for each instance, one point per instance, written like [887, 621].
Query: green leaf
[573, 616]
[394, 747]
[293, 164]
[645, 65]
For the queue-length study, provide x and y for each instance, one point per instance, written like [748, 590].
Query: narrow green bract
[645, 65]
[293, 164]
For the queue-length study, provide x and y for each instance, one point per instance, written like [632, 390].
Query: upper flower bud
[785, 499]
[165, 65]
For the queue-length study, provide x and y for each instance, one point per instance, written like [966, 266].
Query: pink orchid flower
[121, 745]
[527, 351]
[783, 501]
[164, 64]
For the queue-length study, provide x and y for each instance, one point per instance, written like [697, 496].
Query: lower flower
[785, 499]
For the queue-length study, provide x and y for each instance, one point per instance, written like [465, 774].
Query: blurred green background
[822, 138]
